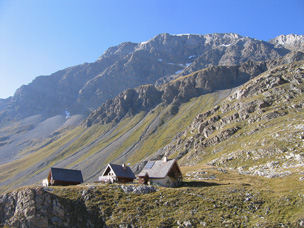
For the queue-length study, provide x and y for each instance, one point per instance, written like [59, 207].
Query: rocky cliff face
[235, 52]
[291, 41]
[289, 58]
[131, 102]
[38, 208]
[85, 87]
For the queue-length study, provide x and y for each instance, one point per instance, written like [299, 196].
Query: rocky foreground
[209, 197]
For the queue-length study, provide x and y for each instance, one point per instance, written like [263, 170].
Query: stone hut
[162, 172]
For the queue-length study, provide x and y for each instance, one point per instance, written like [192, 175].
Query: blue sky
[39, 37]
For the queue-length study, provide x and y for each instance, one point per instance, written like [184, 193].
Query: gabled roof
[120, 171]
[69, 175]
[157, 169]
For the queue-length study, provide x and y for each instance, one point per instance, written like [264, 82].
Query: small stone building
[58, 176]
[117, 173]
[162, 172]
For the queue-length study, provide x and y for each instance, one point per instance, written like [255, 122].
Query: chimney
[123, 165]
[165, 159]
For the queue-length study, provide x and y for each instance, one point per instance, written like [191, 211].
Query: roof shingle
[69, 175]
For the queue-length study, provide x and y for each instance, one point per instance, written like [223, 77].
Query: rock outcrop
[289, 58]
[138, 189]
[37, 207]
[129, 102]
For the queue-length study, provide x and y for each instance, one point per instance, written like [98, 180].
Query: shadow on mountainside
[198, 184]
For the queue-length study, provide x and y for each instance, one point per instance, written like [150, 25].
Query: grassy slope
[230, 199]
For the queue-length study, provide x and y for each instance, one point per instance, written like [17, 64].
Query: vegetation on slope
[209, 197]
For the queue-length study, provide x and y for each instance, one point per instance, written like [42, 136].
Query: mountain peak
[118, 50]
[292, 42]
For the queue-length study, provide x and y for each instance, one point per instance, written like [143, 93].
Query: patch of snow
[143, 43]
[67, 114]
[159, 60]
[191, 56]
[224, 45]
[179, 71]
[186, 34]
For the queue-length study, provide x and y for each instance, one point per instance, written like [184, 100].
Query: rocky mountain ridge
[176, 92]
[85, 87]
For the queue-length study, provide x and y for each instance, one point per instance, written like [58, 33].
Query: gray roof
[157, 169]
[69, 175]
[121, 171]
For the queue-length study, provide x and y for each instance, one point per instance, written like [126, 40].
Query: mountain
[85, 87]
[291, 41]
[45, 105]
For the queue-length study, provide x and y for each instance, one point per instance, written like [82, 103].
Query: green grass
[233, 200]
[123, 127]
[135, 136]
[171, 125]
